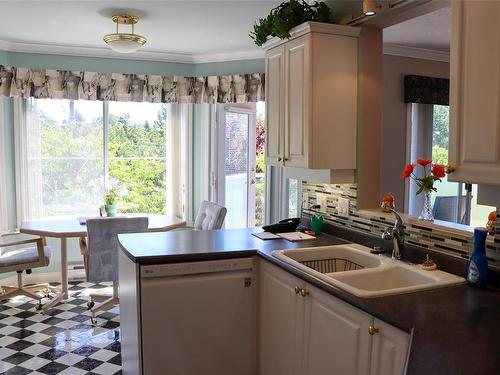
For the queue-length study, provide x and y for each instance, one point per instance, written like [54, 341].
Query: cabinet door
[281, 319]
[336, 336]
[297, 101]
[475, 92]
[275, 119]
[389, 350]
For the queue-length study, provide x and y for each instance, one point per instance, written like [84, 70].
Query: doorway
[239, 180]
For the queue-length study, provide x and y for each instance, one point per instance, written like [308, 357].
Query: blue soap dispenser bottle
[477, 274]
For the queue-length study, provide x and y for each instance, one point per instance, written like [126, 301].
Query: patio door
[236, 164]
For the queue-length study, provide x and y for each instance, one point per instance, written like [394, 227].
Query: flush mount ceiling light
[124, 42]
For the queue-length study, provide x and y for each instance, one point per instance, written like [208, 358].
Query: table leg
[64, 267]
[63, 294]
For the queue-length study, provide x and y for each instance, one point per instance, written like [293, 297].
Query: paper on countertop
[296, 236]
[266, 236]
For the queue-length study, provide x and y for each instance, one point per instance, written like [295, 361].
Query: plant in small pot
[431, 174]
[286, 16]
[113, 190]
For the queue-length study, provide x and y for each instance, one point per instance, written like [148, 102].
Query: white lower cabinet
[336, 339]
[389, 350]
[281, 316]
[306, 331]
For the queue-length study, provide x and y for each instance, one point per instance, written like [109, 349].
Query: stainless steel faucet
[396, 233]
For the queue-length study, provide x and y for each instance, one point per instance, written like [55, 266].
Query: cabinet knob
[372, 330]
[450, 169]
[279, 158]
[304, 292]
[285, 159]
[297, 289]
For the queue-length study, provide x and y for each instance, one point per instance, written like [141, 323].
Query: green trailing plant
[110, 197]
[286, 16]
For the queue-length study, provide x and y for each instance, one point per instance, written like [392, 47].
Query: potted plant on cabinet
[286, 16]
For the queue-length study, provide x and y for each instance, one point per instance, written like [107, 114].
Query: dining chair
[210, 216]
[101, 253]
[22, 254]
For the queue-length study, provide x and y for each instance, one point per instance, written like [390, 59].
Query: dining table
[75, 227]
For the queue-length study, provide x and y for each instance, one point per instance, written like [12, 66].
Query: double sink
[354, 269]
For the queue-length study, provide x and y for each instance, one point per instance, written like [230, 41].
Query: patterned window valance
[66, 84]
[427, 90]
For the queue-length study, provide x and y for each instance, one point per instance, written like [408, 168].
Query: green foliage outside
[73, 170]
[137, 159]
[440, 134]
[260, 193]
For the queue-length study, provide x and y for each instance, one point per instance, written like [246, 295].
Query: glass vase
[426, 213]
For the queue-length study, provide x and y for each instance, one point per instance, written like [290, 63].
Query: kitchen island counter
[454, 330]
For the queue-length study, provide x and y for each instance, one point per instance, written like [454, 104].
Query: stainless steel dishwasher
[198, 318]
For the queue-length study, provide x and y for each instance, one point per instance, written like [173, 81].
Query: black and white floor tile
[61, 341]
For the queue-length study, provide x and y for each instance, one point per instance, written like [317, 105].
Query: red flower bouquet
[431, 173]
[426, 182]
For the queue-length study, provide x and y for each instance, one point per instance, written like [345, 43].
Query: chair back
[21, 252]
[445, 208]
[103, 245]
[210, 216]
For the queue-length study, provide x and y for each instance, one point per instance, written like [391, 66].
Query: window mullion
[105, 121]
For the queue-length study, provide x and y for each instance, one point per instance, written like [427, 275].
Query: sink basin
[354, 269]
[329, 259]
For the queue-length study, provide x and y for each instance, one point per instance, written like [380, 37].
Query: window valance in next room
[66, 84]
[426, 90]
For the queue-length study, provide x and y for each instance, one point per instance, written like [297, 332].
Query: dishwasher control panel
[191, 268]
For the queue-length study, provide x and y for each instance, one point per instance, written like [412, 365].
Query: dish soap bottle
[477, 274]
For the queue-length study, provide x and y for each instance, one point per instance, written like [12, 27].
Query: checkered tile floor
[62, 341]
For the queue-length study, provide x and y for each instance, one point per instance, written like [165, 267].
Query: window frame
[25, 109]
[426, 111]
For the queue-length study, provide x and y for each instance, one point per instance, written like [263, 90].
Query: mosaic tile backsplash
[453, 243]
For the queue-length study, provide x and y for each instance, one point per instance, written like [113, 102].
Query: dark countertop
[456, 329]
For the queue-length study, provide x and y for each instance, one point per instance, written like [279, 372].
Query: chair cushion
[20, 256]
[210, 216]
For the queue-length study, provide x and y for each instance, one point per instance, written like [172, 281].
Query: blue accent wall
[113, 65]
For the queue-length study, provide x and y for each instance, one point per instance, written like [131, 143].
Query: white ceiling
[431, 31]
[183, 28]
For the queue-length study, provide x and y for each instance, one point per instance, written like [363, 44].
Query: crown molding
[416, 53]
[314, 27]
[183, 58]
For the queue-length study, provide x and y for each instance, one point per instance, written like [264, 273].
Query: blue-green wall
[96, 64]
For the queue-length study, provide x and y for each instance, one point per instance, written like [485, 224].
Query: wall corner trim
[416, 53]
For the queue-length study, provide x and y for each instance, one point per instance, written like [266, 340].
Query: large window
[76, 148]
[455, 202]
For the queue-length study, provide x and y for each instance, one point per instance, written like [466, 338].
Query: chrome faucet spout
[396, 234]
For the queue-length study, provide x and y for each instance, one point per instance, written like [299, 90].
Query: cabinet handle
[450, 169]
[372, 330]
[304, 292]
[297, 289]
[279, 158]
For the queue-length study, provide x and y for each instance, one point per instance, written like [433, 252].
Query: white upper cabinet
[475, 92]
[275, 117]
[311, 98]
